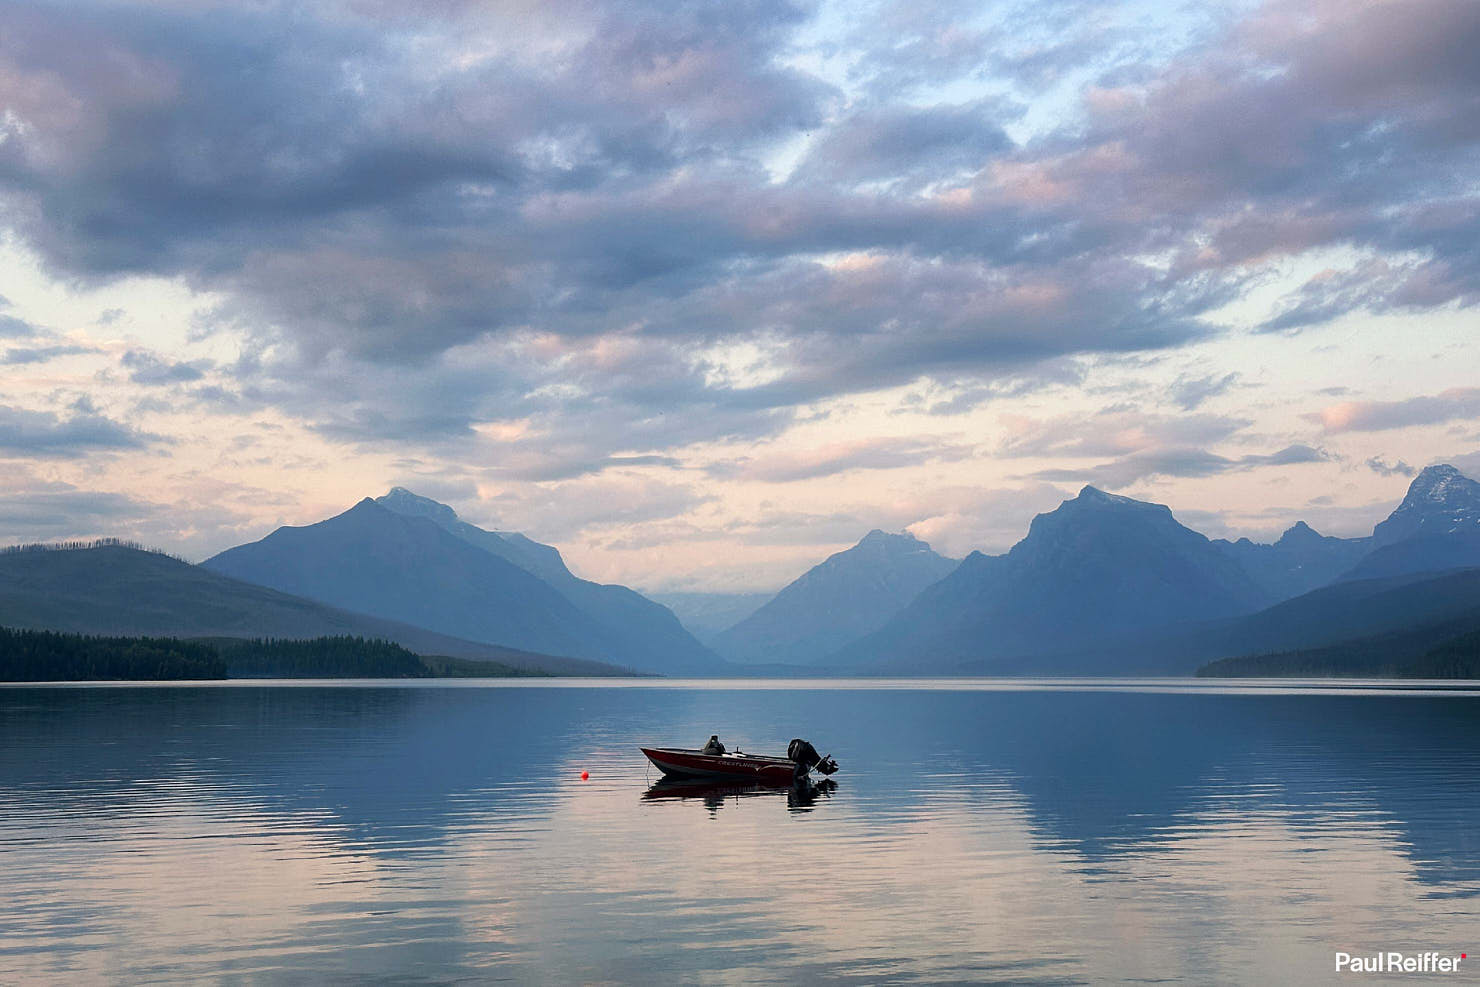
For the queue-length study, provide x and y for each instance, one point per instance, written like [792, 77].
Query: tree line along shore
[51, 656]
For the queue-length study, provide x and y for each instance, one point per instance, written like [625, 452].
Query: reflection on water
[800, 795]
[442, 833]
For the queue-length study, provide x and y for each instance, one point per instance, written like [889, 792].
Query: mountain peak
[1442, 483]
[1433, 481]
[1095, 515]
[843, 597]
[1440, 500]
[885, 539]
[403, 501]
[1299, 533]
[1094, 497]
[880, 548]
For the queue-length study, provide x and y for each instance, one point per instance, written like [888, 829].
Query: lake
[1015, 831]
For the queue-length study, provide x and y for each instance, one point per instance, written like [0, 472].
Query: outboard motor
[806, 757]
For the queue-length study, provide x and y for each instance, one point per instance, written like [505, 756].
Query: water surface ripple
[1019, 832]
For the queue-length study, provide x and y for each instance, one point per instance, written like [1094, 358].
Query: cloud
[591, 507]
[563, 231]
[1112, 432]
[842, 457]
[1180, 462]
[944, 397]
[567, 463]
[22, 355]
[41, 345]
[1467, 463]
[1382, 468]
[358, 199]
[1289, 456]
[1189, 392]
[38, 509]
[14, 328]
[583, 407]
[905, 144]
[960, 520]
[1377, 416]
[27, 433]
[150, 370]
[194, 514]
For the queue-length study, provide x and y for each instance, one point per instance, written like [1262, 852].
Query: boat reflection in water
[801, 795]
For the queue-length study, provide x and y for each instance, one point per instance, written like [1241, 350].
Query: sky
[703, 292]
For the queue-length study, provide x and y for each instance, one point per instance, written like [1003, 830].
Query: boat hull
[677, 762]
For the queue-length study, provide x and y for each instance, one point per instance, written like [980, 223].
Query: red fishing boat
[683, 762]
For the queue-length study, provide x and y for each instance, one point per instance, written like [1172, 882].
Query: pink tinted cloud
[1376, 416]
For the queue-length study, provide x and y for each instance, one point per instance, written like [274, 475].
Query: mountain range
[411, 559]
[1097, 566]
[1110, 585]
[1103, 584]
[1299, 561]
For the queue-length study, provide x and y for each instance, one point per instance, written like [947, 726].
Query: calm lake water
[442, 832]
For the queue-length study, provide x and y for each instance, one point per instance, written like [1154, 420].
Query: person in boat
[714, 746]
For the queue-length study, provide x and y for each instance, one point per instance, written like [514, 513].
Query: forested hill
[320, 658]
[49, 656]
[1450, 650]
[116, 589]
